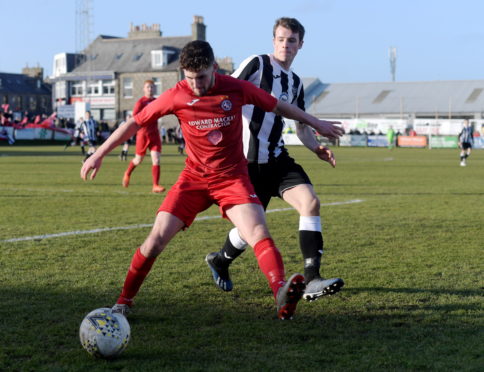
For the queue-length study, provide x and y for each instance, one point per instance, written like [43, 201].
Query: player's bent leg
[155, 172]
[305, 201]
[131, 167]
[249, 219]
[166, 226]
[164, 229]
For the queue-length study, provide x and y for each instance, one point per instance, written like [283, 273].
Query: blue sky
[346, 41]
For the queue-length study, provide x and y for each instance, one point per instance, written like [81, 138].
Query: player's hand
[329, 129]
[325, 154]
[92, 163]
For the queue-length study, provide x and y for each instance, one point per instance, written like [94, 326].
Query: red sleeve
[161, 106]
[258, 97]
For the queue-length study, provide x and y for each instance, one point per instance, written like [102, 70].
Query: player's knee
[153, 245]
[311, 207]
[257, 233]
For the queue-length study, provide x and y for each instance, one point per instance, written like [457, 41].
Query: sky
[347, 41]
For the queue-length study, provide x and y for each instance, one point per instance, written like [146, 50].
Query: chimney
[34, 72]
[144, 31]
[198, 28]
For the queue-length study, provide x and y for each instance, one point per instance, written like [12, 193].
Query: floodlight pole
[392, 52]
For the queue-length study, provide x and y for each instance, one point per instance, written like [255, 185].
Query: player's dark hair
[290, 23]
[196, 56]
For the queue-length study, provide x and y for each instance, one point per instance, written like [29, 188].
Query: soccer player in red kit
[209, 108]
[148, 137]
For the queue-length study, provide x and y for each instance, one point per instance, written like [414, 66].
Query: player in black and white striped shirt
[466, 140]
[89, 128]
[272, 171]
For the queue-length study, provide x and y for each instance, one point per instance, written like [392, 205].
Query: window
[167, 56]
[77, 89]
[32, 103]
[137, 57]
[160, 58]
[17, 103]
[60, 89]
[157, 82]
[109, 114]
[156, 58]
[128, 88]
[93, 88]
[43, 102]
[108, 87]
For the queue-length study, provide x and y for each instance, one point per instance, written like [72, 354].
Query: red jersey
[211, 124]
[150, 128]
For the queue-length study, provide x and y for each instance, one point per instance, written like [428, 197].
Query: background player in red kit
[209, 108]
[148, 137]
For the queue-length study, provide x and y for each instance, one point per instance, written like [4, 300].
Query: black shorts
[273, 178]
[466, 145]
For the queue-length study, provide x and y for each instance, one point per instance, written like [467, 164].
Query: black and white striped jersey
[263, 130]
[466, 135]
[89, 128]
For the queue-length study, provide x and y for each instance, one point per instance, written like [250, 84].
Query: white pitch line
[139, 226]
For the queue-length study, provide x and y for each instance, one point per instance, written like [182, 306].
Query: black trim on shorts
[273, 178]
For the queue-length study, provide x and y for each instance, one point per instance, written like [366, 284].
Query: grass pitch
[409, 246]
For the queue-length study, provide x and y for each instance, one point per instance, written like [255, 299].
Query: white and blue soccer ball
[104, 334]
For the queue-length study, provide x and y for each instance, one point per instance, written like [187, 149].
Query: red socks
[130, 169]
[270, 262]
[155, 173]
[138, 270]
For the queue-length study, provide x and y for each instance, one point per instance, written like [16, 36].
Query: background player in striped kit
[147, 137]
[272, 171]
[89, 129]
[466, 140]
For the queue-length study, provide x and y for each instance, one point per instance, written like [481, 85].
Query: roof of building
[421, 98]
[110, 53]
[313, 87]
[22, 84]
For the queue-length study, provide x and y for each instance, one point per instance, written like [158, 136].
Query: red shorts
[146, 141]
[194, 192]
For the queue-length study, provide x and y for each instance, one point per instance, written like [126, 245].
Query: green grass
[411, 253]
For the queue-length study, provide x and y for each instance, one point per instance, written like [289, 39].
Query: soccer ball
[104, 334]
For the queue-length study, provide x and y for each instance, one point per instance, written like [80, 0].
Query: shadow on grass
[204, 330]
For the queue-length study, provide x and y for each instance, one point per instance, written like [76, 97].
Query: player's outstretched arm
[326, 128]
[307, 137]
[120, 135]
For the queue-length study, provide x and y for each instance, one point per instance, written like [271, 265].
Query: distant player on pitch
[272, 171]
[148, 137]
[466, 140]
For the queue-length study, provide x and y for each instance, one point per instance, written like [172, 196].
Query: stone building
[26, 92]
[110, 73]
